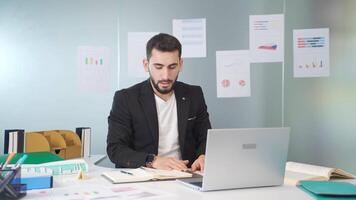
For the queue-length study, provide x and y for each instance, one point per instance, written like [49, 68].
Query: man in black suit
[159, 123]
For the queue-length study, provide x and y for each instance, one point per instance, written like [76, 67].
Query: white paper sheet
[266, 38]
[192, 35]
[94, 191]
[136, 47]
[311, 52]
[93, 69]
[233, 73]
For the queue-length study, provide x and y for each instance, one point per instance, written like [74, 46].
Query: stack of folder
[33, 158]
[36, 182]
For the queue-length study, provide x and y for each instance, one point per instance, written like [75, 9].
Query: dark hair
[163, 42]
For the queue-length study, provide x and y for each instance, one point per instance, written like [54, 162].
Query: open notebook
[296, 172]
[143, 174]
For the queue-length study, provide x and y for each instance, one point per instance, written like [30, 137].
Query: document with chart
[233, 74]
[136, 52]
[192, 34]
[266, 38]
[311, 52]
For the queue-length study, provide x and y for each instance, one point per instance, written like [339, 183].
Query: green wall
[38, 65]
[227, 25]
[39, 39]
[322, 111]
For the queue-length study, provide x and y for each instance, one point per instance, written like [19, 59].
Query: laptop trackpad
[198, 184]
[193, 181]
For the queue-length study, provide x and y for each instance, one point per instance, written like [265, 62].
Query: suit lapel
[183, 102]
[148, 104]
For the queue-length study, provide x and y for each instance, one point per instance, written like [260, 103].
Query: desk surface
[172, 189]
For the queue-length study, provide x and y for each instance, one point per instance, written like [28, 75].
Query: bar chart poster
[192, 34]
[266, 38]
[233, 74]
[93, 69]
[311, 53]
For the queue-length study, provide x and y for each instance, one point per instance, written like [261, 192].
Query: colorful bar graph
[93, 61]
[310, 42]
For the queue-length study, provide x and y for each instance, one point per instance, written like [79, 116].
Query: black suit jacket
[133, 124]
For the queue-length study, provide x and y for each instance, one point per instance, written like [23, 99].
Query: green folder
[327, 190]
[33, 158]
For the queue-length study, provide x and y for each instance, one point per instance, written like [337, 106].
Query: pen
[125, 172]
[20, 161]
[8, 159]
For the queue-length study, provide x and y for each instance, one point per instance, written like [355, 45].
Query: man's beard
[164, 90]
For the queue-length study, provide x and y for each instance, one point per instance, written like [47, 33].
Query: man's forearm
[125, 157]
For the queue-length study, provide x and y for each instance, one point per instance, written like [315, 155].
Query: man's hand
[198, 164]
[169, 163]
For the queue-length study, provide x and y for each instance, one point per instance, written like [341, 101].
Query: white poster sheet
[136, 52]
[266, 38]
[311, 52]
[93, 69]
[192, 35]
[233, 73]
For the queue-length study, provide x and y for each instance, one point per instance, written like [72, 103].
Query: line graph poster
[233, 73]
[266, 38]
[311, 52]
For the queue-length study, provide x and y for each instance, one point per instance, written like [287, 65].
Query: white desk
[177, 191]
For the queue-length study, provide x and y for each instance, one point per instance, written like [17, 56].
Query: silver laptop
[242, 158]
